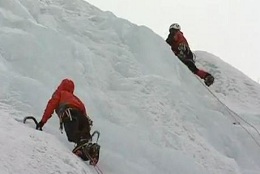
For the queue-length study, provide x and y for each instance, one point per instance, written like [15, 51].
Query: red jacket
[63, 96]
[176, 40]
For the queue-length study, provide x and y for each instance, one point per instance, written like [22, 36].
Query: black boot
[209, 80]
[80, 149]
[93, 152]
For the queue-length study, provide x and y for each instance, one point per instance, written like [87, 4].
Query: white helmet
[175, 26]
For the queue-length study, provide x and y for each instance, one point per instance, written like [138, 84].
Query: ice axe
[95, 132]
[31, 118]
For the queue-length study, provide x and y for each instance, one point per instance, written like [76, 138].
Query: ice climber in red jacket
[181, 49]
[72, 114]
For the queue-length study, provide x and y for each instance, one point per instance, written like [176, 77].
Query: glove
[39, 126]
[90, 122]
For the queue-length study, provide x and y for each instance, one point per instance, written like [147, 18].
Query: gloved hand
[90, 122]
[39, 125]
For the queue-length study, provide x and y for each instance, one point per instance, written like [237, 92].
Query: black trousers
[191, 65]
[187, 59]
[77, 127]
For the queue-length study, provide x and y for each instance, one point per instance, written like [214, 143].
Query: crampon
[89, 151]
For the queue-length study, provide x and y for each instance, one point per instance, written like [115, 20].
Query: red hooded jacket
[63, 96]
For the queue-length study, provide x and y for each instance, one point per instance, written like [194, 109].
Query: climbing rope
[97, 169]
[234, 115]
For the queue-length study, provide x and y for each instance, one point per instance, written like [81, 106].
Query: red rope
[98, 170]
